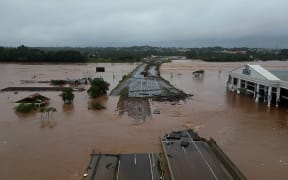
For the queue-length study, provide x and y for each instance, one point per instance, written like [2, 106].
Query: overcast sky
[186, 23]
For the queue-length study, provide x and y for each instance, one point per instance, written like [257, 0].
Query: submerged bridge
[191, 157]
[187, 156]
[123, 167]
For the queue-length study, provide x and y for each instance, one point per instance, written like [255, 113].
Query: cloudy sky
[182, 23]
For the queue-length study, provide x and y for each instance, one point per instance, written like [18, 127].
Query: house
[36, 99]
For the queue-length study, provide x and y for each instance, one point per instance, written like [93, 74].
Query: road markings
[151, 166]
[118, 170]
[184, 149]
[202, 156]
[96, 167]
[135, 159]
[168, 162]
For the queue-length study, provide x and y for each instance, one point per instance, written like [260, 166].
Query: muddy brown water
[253, 136]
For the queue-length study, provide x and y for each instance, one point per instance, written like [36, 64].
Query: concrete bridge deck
[187, 157]
[191, 157]
[123, 167]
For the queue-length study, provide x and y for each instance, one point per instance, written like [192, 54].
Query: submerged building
[36, 99]
[270, 87]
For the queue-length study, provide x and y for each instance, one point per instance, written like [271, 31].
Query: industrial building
[271, 87]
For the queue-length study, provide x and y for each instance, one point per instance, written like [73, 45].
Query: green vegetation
[124, 78]
[98, 88]
[68, 96]
[85, 54]
[25, 54]
[58, 82]
[25, 107]
[135, 54]
[125, 54]
[219, 54]
[216, 54]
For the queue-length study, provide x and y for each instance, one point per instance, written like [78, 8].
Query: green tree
[98, 87]
[68, 96]
[97, 106]
[25, 108]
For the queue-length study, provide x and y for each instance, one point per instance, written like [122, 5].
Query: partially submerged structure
[137, 109]
[255, 80]
[123, 167]
[35, 99]
[151, 85]
[191, 157]
[198, 73]
[185, 156]
[100, 69]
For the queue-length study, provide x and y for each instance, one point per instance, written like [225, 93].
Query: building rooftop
[281, 74]
[264, 72]
[34, 98]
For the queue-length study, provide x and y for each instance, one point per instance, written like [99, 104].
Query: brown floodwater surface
[253, 136]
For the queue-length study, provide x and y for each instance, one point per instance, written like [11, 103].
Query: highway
[123, 167]
[147, 83]
[196, 161]
[144, 87]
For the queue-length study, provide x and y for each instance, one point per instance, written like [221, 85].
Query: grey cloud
[153, 22]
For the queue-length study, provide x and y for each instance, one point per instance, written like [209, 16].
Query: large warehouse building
[270, 87]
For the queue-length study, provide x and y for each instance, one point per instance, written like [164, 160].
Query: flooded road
[252, 135]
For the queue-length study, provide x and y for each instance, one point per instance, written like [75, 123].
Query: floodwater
[253, 136]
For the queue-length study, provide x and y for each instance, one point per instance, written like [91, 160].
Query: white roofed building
[269, 86]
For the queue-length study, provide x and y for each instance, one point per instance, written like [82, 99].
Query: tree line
[218, 54]
[26, 54]
[134, 54]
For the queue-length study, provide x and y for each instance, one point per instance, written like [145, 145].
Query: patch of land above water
[145, 81]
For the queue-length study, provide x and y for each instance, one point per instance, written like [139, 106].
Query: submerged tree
[42, 111]
[52, 110]
[68, 96]
[97, 105]
[46, 112]
[25, 107]
[98, 87]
